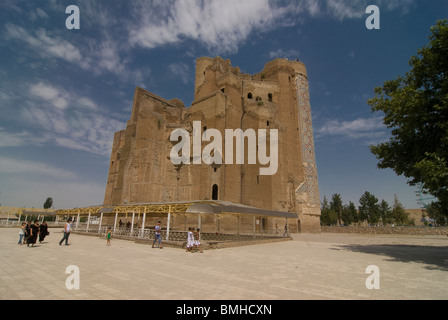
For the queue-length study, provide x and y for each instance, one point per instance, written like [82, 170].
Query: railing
[16, 223]
[175, 235]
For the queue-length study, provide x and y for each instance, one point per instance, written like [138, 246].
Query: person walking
[34, 231]
[108, 236]
[67, 228]
[197, 241]
[157, 235]
[27, 232]
[43, 232]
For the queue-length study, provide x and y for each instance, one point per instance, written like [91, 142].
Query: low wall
[387, 230]
[209, 241]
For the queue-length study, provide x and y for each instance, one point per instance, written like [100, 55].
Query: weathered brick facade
[277, 98]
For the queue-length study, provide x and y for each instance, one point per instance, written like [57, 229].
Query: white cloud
[223, 26]
[17, 166]
[280, 53]
[69, 119]
[53, 47]
[355, 9]
[57, 97]
[346, 9]
[101, 57]
[219, 26]
[361, 128]
[18, 139]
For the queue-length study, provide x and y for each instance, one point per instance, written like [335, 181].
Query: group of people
[194, 240]
[30, 232]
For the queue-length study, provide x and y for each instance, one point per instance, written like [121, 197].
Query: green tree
[415, 108]
[48, 203]
[385, 213]
[337, 207]
[398, 213]
[369, 209]
[435, 211]
[327, 217]
[349, 214]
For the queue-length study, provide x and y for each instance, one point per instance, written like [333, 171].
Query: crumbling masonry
[141, 170]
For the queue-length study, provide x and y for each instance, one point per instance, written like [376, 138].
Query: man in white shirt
[66, 232]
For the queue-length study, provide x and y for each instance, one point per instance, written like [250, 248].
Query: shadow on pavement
[434, 257]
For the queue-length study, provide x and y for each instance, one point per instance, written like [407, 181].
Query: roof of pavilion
[193, 207]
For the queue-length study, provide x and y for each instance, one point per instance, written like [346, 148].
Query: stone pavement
[312, 266]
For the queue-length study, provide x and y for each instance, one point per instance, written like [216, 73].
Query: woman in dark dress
[34, 231]
[43, 232]
[27, 232]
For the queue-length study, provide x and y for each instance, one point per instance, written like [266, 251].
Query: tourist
[67, 228]
[158, 236]
[22, 233]
[27, 231]
[34, 231]
[197, 241]
[43, 232]
[109, 234]
[285, 234]
[190, 240]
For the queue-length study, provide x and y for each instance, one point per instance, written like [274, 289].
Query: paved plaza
[311, 266]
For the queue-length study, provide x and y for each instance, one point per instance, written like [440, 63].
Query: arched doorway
[215, 192]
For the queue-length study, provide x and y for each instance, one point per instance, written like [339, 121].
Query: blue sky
[63, 93]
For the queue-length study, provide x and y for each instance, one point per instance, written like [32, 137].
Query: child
[22, 233]
[109, 233]
[197, 241]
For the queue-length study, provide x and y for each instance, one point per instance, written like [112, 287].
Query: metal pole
[238, 230]
[88, 222]
[168, 223]
[132, 224]
[255, 227]
[101, 222]
[115, 221]
[77, 221]
[143, 224]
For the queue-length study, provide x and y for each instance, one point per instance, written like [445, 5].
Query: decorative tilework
[308, 191]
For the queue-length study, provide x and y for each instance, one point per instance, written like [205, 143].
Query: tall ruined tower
[276, 98]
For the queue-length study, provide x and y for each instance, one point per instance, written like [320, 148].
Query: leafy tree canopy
[415, 108]
[48, 203]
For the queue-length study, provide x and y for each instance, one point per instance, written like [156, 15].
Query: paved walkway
[322, 266]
